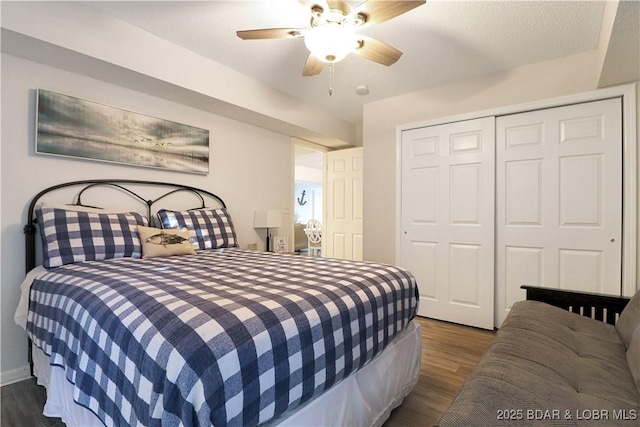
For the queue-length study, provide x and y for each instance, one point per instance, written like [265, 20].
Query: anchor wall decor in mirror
[69, 126]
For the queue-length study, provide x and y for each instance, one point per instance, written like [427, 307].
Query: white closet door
[448, 219]
[342, 234]
[559, 201]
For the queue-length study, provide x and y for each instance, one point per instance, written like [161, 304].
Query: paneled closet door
[448, 219]
[559, 201]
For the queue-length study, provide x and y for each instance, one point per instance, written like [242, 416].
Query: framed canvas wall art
[70, 126]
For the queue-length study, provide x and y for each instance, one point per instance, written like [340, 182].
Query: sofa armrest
[606, 308]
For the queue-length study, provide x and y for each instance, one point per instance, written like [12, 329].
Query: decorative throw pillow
[69, 236]
[209, 228]
[157, 242]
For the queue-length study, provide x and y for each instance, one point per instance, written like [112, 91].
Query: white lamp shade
[331, 42]
[267, 218]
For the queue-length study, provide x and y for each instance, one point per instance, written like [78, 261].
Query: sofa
[300, 240]
[572, 360]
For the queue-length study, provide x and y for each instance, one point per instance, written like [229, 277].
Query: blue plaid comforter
[225, 337]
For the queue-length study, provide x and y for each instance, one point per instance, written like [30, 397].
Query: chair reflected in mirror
[313, 230]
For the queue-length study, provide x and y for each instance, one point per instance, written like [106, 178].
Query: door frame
[324, 151]
[627, 93]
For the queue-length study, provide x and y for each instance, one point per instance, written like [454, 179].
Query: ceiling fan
[332, 35]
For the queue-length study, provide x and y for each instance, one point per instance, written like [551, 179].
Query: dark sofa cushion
[547, 359]
[633, 357]
[628, 328]
[629, 320]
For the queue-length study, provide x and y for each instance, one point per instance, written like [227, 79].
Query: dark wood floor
[449, 354]
[22, 405]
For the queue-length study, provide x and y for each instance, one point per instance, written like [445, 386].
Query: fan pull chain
[330, 78]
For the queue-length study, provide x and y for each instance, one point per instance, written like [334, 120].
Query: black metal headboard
[30, 228]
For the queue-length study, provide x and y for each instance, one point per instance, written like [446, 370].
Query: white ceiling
[442, 41]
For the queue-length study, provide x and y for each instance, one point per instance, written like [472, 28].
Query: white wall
[243, 171]
[312, 209]
[309, 174]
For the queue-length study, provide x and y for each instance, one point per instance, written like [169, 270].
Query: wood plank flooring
[22, 405]
[449, 354]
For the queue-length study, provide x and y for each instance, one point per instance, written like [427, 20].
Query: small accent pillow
[157, 242]
[69, 236]
[209, 228]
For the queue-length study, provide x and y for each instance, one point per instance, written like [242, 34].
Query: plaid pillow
[70, 236]
[208, 228]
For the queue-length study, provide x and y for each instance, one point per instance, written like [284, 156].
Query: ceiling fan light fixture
[330, 43]
[332, 32]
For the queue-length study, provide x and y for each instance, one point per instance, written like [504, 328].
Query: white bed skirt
[364, 399]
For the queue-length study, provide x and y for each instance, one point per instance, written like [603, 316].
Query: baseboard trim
[14, 375]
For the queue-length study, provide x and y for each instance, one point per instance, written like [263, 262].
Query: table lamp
[267, 218]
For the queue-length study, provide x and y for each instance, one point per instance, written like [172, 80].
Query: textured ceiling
[442, 41]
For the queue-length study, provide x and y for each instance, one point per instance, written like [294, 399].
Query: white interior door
[448, 219]
[559, 201]
[342, 233]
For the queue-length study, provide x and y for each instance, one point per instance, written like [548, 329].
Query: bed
[161, 319]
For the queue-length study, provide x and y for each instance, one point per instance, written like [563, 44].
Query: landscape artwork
[69, 126]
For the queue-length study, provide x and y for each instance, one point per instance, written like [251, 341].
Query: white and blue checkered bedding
[225, 337]
[209, 228]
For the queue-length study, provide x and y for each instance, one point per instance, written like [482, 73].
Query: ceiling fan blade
[310, 3]
[377, 51]
[327, 5]
[377, 11]
[339, 5]
[313, 66]
[270, 33]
